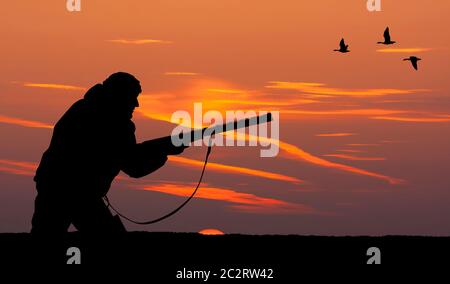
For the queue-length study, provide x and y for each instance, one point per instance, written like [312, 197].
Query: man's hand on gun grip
[174, 150]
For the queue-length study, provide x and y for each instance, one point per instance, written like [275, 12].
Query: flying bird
[343, 47]
[413, 60]
[387, 38]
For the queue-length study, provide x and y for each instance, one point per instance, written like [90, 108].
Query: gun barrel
[198, 134]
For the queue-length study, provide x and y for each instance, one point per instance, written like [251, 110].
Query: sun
[211, 232]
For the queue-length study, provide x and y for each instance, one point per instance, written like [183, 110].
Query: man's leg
[102, 234]
[93, 217]
[50, 218]
[49, 230]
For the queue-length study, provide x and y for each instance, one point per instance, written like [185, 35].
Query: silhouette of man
[92, 142]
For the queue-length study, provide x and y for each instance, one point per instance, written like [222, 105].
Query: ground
[169, 253]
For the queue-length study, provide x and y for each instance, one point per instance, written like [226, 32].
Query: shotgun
[165, 143]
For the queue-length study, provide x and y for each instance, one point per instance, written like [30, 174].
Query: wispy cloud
[363, 145]
[24, 122]
[355, 158]
[245, 202]
[267, 103]
[234, 169]
[348, 112]
[393, 141]
[298, 153]
[138, 41]
[413, 119]
[226, 91]
[18, 167]
[181, 73]
[54, 86]
[223, 96]
[404, 50]
[322, 89]
[294, 152]
[343, 134]
[349, 151]
[214, 95]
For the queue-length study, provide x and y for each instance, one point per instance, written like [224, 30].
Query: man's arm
[141, 161]
[145, 158]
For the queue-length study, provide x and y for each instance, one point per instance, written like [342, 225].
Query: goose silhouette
[387, 38]
[413, 60]
[343, 47]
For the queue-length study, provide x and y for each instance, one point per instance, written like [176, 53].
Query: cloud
[214, 95]
[355, 158]
[335, 134]
[350, 151]
[223, 96]
[226, 91]
[54, 86]
[321, 89]
[244, 202]
[267, 103]
[24, 122]
[149, 110]
[234, 169]
[297, 153]
[18, 167]
[393, 141]
[413, 119]
[363, 145]
[348, 112]
[294, 152]
[138, 41]
[181, 73]
[404, 50]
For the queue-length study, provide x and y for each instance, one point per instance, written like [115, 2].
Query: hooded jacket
[91, 144]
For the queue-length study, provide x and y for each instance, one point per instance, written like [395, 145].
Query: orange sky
[363, 137]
